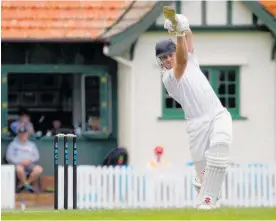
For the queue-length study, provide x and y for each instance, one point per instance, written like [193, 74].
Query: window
[95, 114]
[58, 90]
[46, 96]
[75, 99]
[225, 82]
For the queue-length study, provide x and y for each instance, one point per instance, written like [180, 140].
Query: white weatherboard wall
[254, 138]
[216, 12]
[124, 107]
[240, 14]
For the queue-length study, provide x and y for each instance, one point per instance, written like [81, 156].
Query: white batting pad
[217, 161]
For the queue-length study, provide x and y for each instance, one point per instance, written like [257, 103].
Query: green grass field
[145, 214]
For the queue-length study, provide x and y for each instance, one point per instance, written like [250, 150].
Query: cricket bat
[169, 13]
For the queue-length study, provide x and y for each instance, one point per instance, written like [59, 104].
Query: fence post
[7, 187]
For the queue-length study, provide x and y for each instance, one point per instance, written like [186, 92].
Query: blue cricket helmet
[162, 48]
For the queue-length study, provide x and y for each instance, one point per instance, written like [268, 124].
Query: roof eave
[263, 14]
[122, 41]
[56, 40]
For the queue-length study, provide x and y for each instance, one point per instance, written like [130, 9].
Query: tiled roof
[69, 19]
[270, 6]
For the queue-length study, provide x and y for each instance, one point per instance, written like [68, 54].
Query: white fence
[110, 188]
[103, 187]
[7, 187]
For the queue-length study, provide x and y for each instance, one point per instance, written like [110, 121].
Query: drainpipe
[129, 64]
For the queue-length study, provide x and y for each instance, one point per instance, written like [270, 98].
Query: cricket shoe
[207, 204]
[197, 186]
[204, 206]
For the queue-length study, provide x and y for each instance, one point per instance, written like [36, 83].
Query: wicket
[66, 163]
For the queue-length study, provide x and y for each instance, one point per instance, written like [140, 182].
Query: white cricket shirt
[193, 91]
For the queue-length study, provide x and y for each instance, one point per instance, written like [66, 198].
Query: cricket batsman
[209, 124]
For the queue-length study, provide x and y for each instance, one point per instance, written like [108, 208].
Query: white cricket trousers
[205, 132]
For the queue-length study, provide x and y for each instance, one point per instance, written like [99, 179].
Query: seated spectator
[57, 128]
[24, 118]
[93, 124]
[24, 155]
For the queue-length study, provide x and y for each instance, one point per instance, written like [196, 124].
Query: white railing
[110, 188]
[7, 187]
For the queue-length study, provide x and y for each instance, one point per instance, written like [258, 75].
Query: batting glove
[180, 28]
